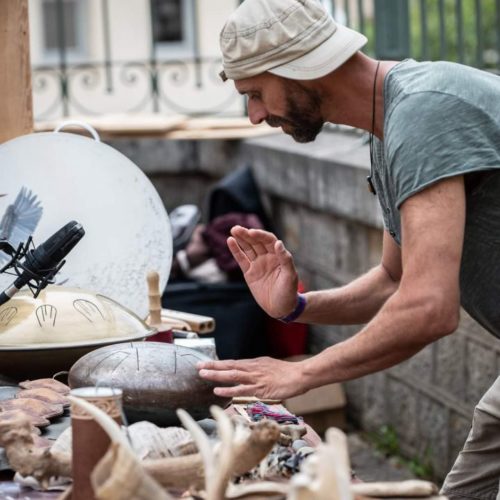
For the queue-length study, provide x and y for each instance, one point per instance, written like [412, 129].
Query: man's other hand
[264, 378]
[268, 269]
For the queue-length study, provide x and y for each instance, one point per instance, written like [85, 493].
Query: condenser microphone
[42, 263]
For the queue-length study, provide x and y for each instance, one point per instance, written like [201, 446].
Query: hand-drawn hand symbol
[46, 315]
[89, 310]
[6, 315]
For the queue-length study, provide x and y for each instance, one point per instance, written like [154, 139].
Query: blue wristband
[299, 309]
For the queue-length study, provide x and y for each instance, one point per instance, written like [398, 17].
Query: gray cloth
[441, 120]
[476, 472]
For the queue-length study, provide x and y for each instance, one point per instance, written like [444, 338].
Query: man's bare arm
[358, 301]
[426, 304]
[424, 308]
[271, 276]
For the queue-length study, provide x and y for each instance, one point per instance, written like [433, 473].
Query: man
[435, 170]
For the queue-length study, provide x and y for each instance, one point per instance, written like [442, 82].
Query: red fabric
[217, 232]
[165, 336]
[287, 339]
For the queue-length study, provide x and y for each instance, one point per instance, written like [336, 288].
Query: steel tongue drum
[40, 264]
[156, 378]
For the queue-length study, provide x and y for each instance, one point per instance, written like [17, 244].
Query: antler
[241, 448]
[26, 458]
[325, 474]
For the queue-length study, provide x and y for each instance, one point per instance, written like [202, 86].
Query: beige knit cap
[292, 38]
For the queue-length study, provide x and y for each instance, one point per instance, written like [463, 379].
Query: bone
[324, 475]
[410, 488]
[241, 448]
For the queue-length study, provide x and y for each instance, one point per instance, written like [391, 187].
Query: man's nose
[256, 112]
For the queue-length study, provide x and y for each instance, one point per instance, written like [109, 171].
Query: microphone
[42, 263]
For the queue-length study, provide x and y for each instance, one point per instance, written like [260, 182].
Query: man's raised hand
[268, 269]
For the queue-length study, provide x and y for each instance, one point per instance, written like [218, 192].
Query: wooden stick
[154, 298]
[16, 107]
[197, 323]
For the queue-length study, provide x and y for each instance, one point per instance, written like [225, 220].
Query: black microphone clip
[40, 265]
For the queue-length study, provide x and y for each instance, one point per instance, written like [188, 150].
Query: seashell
[45, 395]
[63, 444]
[13, 415]
[150, 441]
[33, 407]
[46, 383]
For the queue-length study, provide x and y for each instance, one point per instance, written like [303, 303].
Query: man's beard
[302, 117]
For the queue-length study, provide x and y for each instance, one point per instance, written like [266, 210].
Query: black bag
[240, 330]
[240, 324]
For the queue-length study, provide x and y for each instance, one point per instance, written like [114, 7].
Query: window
[172, 25]
[167, 21]
[62, 27]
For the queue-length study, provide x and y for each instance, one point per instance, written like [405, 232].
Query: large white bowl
[127, 231]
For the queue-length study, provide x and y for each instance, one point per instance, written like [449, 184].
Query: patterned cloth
[257, 411]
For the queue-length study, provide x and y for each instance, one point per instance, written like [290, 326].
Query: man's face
[283, 103]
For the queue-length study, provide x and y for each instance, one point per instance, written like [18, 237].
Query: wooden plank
[16, 107]
[219, 133]
[119, 124]
[169, 127]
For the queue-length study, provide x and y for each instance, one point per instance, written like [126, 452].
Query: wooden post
[16, 107]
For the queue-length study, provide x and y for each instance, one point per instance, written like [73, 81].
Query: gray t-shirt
[441, 120]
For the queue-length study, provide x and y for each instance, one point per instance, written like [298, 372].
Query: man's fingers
[246, 248]
[238, 231]
[262, 236]
[284, 256]
[238, 390]
[265, 238]
[256, 237]
[226, 376]
[240, 256]
[225, 364]
[252, 243]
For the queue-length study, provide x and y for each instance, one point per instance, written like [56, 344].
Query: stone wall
[317, 195]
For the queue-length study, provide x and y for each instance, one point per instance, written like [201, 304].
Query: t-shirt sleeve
[431, 136]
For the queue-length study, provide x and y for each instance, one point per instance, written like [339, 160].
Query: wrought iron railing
[153, 84]
[466, 31]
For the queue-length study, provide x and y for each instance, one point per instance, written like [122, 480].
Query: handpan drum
[41, 336]
[156, 379]
[78, 178]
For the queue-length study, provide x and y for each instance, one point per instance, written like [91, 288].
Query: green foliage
[470, 31]
[386, 441]
[421, 467]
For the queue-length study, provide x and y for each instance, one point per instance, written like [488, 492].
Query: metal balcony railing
[465, 31]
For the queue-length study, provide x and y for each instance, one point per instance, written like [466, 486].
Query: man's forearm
[402, 328]
[355, 303]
